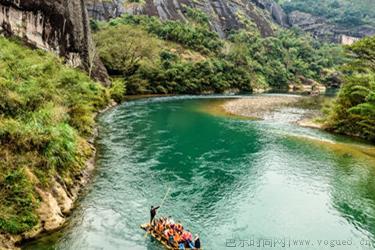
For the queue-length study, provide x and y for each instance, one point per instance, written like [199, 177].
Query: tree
[122, 48]
[353, 112]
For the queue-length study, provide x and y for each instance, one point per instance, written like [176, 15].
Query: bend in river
[230, 179]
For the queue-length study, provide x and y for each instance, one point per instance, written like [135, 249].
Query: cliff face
[61, 26]
[224, 15]
[322, 29]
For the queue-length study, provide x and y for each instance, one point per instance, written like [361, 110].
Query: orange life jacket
[177, 237]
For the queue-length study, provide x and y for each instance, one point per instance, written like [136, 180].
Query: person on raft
[197, 242]
[175, 234]
[153, 213]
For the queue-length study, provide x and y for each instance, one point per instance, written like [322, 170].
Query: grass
[46, 116]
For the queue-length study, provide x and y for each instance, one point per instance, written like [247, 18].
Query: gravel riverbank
[258, 106]
[266, 106]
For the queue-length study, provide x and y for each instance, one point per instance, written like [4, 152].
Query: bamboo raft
[159, 237]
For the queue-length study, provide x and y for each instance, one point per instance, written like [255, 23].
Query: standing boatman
[153, 213]
[197, 242]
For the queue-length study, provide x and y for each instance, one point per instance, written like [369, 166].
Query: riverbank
[257, 106]
[58, 201]
[262, 107]
[303, 111]
[47, 130]
[56, 204]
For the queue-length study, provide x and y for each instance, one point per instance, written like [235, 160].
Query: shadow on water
[350, 177]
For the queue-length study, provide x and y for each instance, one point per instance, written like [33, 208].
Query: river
[234, 181]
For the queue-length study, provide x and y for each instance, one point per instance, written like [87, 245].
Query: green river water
[236, 182]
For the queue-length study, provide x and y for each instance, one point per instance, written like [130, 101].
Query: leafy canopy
[353, 112]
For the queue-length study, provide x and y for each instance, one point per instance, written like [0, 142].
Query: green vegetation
[347, 13]
[177, 57]
[353, 112]
[46, 115]
[288, 56]
[196, 37]
[47, 109]
[197, 15]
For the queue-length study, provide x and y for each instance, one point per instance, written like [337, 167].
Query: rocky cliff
[61, 26]
[324, 30]
[224, 15]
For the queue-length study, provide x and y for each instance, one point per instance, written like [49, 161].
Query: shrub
[118, 90]
[353, 112]
[196, 37]
[46, 114]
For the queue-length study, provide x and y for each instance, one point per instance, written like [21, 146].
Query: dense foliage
[347, 13]
[353, 112]
[197, 37]
[155, 56]
[287, 56]
[46, 114]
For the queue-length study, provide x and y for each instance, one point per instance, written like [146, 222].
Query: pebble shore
[257, 106]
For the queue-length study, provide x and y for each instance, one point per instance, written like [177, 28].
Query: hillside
[339, 21]
[331, 19]
[223, 16]
[46, 121]
[245, 61]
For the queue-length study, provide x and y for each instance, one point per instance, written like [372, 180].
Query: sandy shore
[264, 107]
[257, 106]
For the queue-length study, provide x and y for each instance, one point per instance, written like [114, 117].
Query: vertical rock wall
[322, 29]
[60, 26]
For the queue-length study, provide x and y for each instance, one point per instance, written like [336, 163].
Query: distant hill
[331, 19]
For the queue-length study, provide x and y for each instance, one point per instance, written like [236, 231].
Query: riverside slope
[57, 202]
